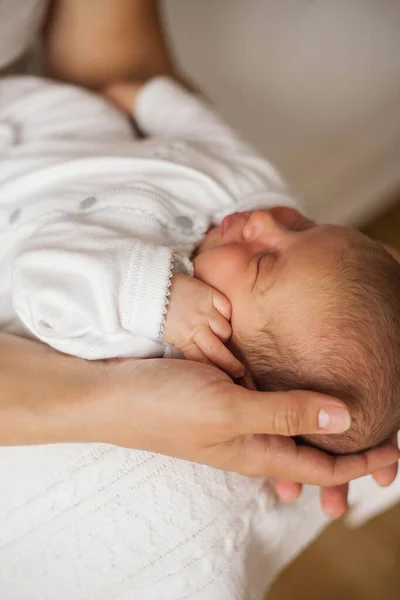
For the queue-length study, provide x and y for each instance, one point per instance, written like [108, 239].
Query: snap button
[15, 215]
[88, 202]
[184, 222]
[8, 135]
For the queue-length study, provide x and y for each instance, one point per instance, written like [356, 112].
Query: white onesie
[91, 221]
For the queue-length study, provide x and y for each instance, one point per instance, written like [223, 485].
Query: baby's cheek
[216, 267]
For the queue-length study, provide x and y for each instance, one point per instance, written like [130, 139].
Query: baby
[184, 242]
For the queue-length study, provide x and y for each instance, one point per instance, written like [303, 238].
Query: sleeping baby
[187, 244]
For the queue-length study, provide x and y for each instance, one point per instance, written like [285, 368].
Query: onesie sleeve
[88, 292]
[165, 109]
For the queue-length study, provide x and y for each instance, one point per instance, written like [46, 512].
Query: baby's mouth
[214, 236]
[227, 222]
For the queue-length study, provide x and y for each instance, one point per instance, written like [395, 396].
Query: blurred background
[347, 564]
[315, 86]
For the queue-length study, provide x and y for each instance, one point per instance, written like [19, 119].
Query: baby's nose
[262, 224]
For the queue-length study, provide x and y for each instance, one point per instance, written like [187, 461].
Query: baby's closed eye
[265, 262]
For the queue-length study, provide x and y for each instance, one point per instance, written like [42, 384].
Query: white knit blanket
[98, 522]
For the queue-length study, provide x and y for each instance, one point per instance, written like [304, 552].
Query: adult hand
[195, 412]
[334, 498]
[179, 408]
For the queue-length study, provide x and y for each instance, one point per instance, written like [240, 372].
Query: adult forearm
[96, 42]
[179, 408]
[45, 397]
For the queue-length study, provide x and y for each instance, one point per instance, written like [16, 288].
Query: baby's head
[314, 307]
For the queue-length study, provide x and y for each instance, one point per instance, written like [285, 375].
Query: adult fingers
[288, 491]
[279, 456]
[289, 413]
[387, 475]
[334, 500]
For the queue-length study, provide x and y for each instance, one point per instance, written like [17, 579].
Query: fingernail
[334, 419]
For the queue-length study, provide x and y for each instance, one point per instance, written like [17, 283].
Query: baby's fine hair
[356, 357]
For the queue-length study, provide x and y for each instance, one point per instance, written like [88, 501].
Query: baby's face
[268, 263]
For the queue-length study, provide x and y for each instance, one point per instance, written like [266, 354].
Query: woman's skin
[178, 408]
[96, 42]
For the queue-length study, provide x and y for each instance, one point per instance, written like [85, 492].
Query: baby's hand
[197, 323]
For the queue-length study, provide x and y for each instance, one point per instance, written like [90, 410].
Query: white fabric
[80, 205]
[102, 523]
[105, 523]
[92, 220]
[20, 21]
[368, 500]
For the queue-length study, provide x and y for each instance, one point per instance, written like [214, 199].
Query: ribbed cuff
[146, 290]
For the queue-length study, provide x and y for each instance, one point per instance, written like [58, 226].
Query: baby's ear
[248, 382]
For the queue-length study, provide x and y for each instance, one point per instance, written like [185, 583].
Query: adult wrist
[115, 409]
[45, 396]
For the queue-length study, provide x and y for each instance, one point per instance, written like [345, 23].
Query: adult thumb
[290, 413]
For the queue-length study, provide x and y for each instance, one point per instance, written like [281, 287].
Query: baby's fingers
[220, 326]
[219, 354]
[194, 353]
[222, 305]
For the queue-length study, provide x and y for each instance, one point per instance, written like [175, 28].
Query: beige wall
[314, 84]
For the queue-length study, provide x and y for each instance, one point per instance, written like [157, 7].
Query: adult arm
[179, 408]
[43, 394]
[95, 42]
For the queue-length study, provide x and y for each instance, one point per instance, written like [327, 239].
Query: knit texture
[105, 523]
